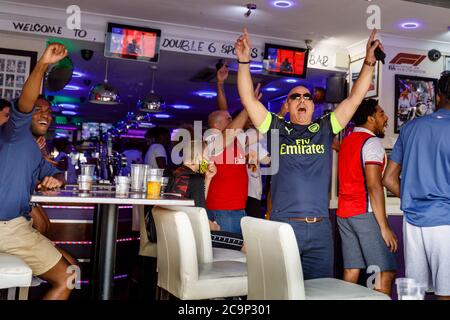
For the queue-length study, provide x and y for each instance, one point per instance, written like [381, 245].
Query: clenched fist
[54, 53]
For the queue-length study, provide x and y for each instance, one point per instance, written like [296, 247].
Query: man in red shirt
[366, 237]
[228, 190]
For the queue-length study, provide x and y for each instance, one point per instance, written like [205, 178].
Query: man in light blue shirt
[421, 158]
[22, 170]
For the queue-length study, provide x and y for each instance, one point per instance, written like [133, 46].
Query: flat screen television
[133, 43]
[285, 61]
[90, 131]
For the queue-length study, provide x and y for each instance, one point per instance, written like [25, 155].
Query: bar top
[106, 195]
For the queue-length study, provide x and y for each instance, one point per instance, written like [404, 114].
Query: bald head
[219, 119]
[299, 89]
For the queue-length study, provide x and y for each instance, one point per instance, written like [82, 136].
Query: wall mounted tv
[133, 43]
[285, 61]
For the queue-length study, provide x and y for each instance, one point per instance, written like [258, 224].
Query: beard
[380, 135]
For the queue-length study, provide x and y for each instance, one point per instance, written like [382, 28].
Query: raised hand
[370, 48]
[222, 74]
[258, 93]
[211, 171]
[53, 53]
[243, 47]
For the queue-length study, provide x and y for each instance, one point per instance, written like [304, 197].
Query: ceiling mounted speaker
[434, 55]
[59, 75]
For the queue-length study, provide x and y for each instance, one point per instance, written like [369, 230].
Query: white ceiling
[342, 22]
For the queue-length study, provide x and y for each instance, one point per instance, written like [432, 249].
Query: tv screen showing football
[285, 61]
[133, 43]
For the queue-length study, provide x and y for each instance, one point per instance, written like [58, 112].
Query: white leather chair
[275, 271]
[200, 225]
[179, 271]
[14, 273]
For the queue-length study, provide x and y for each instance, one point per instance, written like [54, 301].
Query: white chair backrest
[274, 269]
[177, 255]
[200, 225]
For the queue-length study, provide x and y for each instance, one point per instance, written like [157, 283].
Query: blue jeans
[315, 243]
[228, 220]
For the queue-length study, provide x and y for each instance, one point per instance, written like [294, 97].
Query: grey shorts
[363, 245]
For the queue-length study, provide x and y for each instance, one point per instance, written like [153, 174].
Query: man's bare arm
[256, 110]
[222, 75]
[347, 108]
[373, 175]
[32, 86]
[391, 178]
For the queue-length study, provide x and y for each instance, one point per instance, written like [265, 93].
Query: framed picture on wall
[355, 69]
[15, 67]
[447, 63]
[414, 97]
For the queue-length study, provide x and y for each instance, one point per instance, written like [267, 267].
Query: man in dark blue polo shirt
[22, 170]
[301, 186]
[422, 156]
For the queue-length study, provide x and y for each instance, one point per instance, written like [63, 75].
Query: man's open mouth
[301, 109]
[43, 122]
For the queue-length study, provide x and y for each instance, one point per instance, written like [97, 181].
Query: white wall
[394, 45]
[18, 41]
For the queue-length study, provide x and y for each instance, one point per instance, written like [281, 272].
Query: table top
[107, 195]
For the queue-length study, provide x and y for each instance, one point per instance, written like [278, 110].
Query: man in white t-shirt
[156, 155]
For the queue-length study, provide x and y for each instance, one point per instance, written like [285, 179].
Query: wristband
[243, 62]
[370, 64]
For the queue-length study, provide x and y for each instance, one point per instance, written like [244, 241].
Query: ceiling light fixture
[181, 106]
[72, 87]
[207, 94]
[69, 113]
[271, 89]
[77, 74]
[410, 25]
[104, 93]
[256, 67]
[291, 80]
[282, 4]
[162, 116]
[68, 106]
[152, 102]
